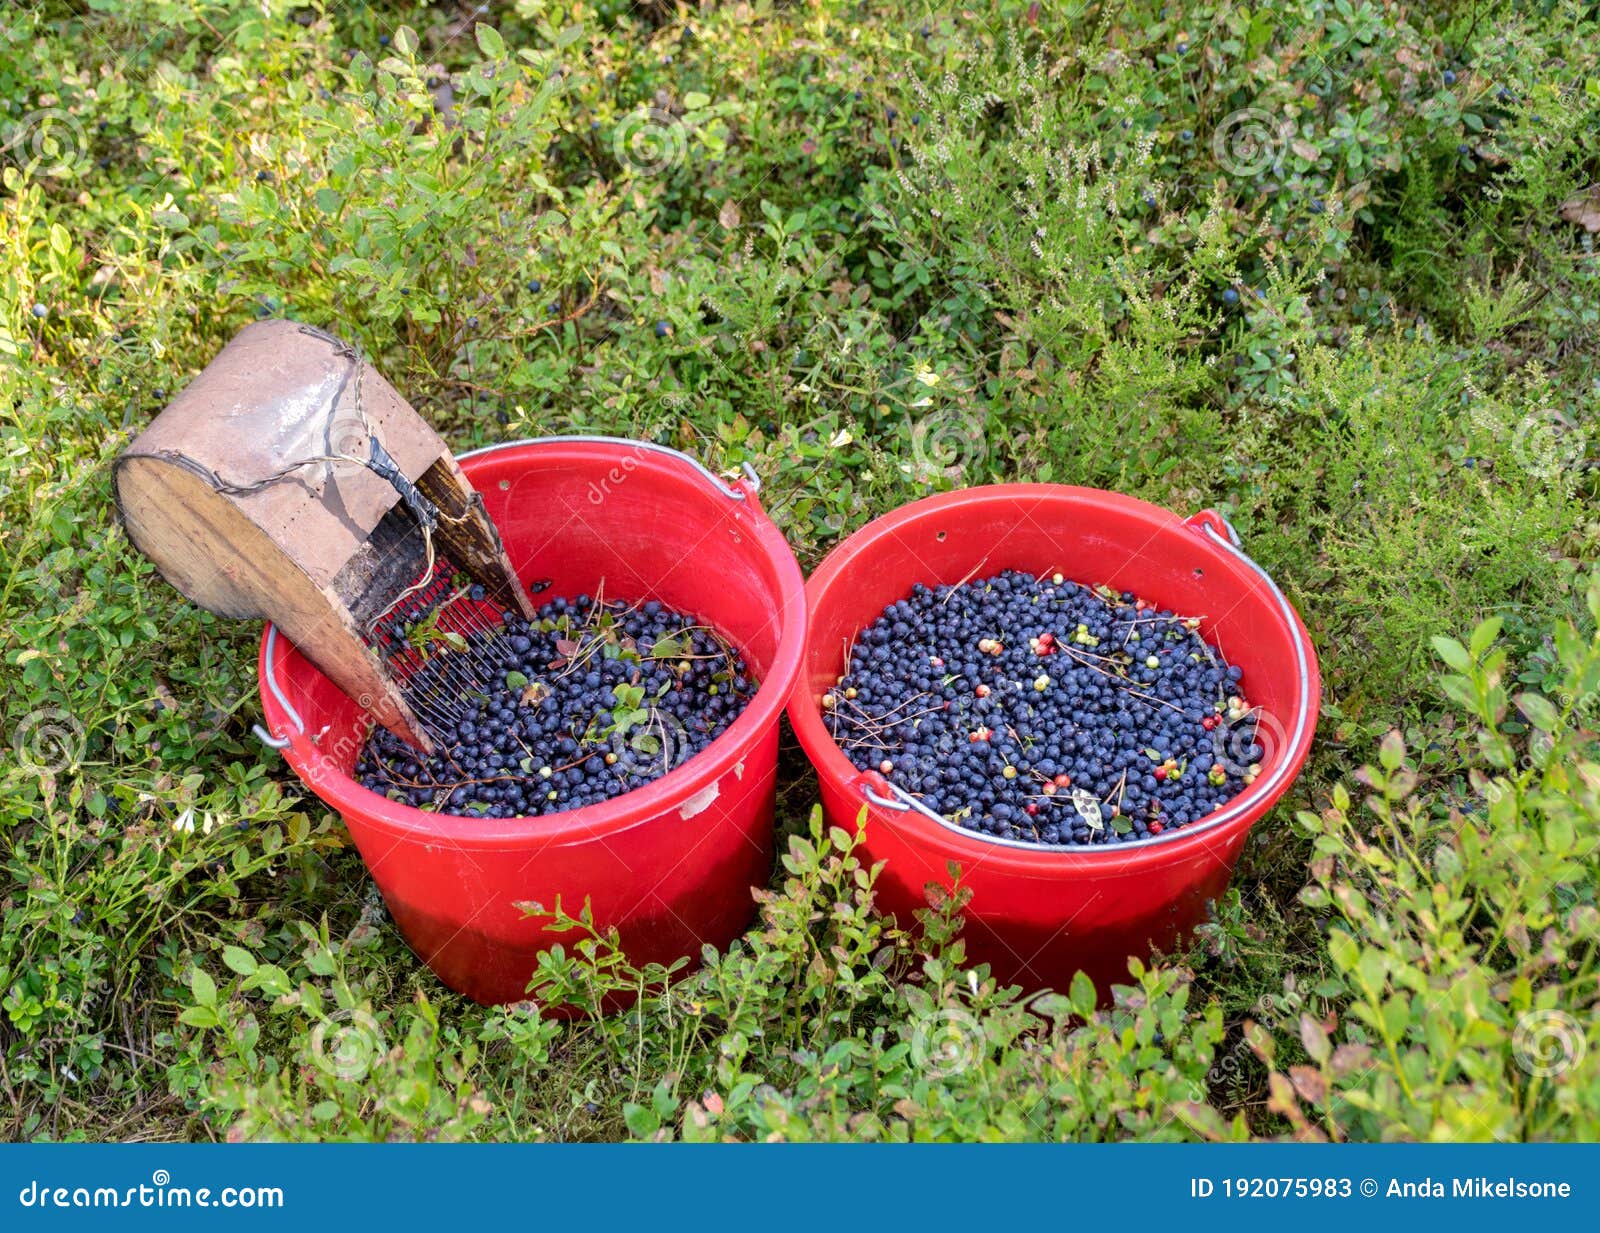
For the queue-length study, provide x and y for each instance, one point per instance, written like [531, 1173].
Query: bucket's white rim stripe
[271, 675]
[727, 489]
[904, 802]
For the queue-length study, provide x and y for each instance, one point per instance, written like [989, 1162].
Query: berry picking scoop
[290, 482]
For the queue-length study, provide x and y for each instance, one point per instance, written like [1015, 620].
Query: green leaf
[271, 980]
[490, 42]
[694, 100]
[1343, 950]
[200, 1017]
[1483, 637]
[1453, 654]
[1372, 969]
[1392, 750]
[405, 41]
[1540, 712]
[641, 1120]
[1559, 833]
[239, 960]
[668, 647]
[1461, 691]
[516, 680]
[1081, 994]
[1314, 1039]
[205, 989]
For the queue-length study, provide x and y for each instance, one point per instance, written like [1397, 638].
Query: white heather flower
[184, 822]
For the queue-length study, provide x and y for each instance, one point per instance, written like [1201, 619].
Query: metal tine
[436, 680]
[438, 720]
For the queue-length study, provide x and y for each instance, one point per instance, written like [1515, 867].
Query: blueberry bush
[1328, 267]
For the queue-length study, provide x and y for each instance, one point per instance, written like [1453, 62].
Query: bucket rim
[1220, 544]
[286, 729]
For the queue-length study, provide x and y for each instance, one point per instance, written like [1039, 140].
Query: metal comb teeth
[441, 642]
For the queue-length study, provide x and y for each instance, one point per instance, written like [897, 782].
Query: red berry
[1156, 828]
[1031, 809]
[1160, 772]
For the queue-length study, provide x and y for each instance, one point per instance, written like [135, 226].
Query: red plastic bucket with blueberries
[670, 865]
[1039, 914]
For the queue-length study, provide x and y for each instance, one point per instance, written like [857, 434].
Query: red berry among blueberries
[1038, 710]
[596, 699]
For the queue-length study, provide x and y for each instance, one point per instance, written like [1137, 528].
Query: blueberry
[1449, 77]
[1069, 756]
[40, 311]
[506, 753]
[1230, 296]
[663, 329]
[535, 286]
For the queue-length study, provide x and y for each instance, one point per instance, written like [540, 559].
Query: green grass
[1308, 265]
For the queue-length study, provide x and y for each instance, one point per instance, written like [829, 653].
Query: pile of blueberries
[1039, 710]
[587, 701]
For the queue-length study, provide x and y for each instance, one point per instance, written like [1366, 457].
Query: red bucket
[670, 865]
[1039, 914]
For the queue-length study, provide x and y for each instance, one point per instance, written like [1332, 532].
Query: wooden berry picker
[290, 482]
